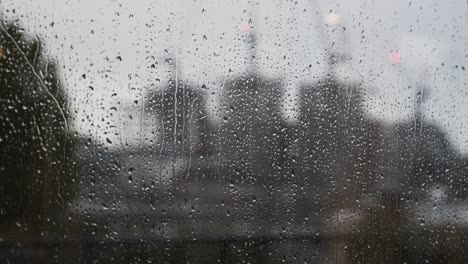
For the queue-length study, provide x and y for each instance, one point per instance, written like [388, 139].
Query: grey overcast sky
[393, 46]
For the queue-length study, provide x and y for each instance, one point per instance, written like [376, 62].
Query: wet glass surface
[233, 132]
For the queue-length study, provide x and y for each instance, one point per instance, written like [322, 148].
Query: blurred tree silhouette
[33, 127]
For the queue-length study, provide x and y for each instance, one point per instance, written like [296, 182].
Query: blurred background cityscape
[247, 132]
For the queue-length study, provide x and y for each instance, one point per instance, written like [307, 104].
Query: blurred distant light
[333, 19]
[394, 57]
[283, 72]
[244, 26]
[423, 69]
[164, 35]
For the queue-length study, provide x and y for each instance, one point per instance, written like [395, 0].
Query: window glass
[233, 131]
